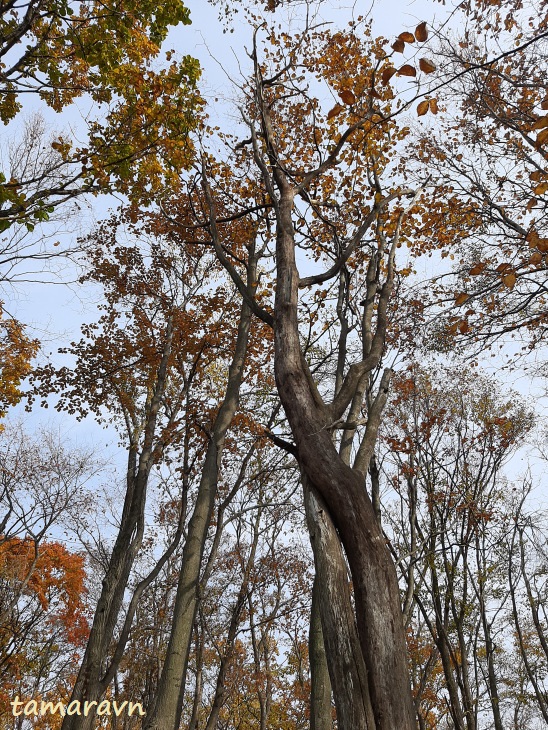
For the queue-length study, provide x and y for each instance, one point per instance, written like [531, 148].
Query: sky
[55, 310]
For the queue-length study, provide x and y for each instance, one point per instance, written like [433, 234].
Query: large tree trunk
[378, 609]
[320, 683]
[338, 630]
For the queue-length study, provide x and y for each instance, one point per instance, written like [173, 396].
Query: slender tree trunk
[89, 684]
[166, 711]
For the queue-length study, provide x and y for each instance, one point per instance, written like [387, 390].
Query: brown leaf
[501, 268]
[434, 106]
[407, 70]
[540, 123]
[536, 258]
[461, 298]
[387, 74]
[544, 103]
[542, 137]
[423, 107]
[406, 37]
[541, 188]
[375, 94]
[337, 109]
[463, 327]
[398, 45]
[427, 66]
[347, 96]
[421, 33]
[509, 280]
[477, 268]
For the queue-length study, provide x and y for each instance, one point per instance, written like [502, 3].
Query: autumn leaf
[337, 109]
[423, 107]
[398, 46]
[427, 66]
[461, 299]
[544, 103]
[477, 268]
[509, 280]
[541, 123]
[434, 106]
[541, 188]
[464, 327]
[387, 74]
[536, 258]
[406, 37]
[542, 138]
[407, 70]
[347, 96]
[421, 33]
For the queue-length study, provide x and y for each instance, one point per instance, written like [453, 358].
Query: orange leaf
[407, 70]
[406, 37]
[423, 107]
[461, 298]
[509, 280]
[387, 74]
[421, 34]
[347, 96]
[398, 46]
[434, 106]
[427, 66]
[337, 109]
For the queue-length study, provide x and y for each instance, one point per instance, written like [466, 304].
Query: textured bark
[167, 708]
[320, 683]
[376, 591]
[332, 595]
[91, 684]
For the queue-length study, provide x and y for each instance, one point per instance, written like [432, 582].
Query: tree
[445, 449]
[322, 191]
[16, 352]
[488, 162]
